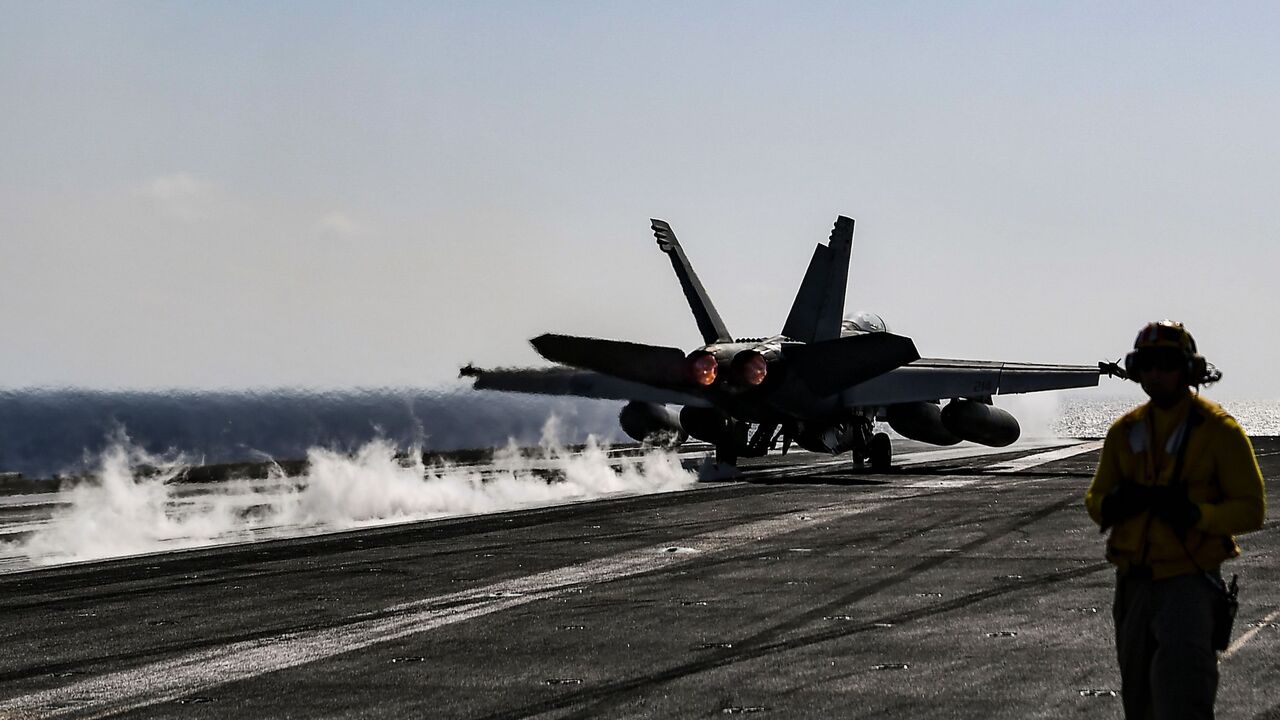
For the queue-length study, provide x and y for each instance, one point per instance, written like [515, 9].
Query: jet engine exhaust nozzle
[750, 368]
[703, 368]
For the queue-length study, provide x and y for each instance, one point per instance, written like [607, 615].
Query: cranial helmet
[1165, 333]
[1167, 336]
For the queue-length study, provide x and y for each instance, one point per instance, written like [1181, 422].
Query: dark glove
[1174, 507]
[1125, 501]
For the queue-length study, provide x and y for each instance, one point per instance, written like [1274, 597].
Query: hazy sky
[320, 194]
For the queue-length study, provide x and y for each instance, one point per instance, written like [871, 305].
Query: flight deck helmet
[1167, 345]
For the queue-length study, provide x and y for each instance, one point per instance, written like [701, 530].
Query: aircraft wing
[578, 383]
[933, 379]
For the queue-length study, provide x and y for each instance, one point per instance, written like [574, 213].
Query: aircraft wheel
[725, 455]
[881, 451]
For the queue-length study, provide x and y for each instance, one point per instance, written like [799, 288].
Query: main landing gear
[856, 436]
[741, 442]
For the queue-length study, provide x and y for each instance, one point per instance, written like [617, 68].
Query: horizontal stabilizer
[649, 364]
[577, 383]
[830, 366]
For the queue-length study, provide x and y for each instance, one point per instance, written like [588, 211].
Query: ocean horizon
[47, 432]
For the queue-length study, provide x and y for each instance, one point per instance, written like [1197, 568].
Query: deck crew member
[1178, 479]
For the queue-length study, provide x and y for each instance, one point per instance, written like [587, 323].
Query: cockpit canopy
[863, 322]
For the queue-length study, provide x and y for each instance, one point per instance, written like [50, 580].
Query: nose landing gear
[741, 442]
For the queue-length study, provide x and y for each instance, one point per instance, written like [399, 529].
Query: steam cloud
[121, 511]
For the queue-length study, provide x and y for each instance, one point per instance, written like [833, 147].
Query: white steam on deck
[121, 511]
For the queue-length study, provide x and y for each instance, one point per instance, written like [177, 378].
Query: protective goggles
[1163, 359]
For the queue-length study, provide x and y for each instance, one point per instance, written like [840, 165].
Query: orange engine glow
[703, 368]
[753, 370]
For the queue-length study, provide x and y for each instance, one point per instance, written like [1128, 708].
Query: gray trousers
[1168, 668]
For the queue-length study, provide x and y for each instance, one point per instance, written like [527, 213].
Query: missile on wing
[652, 423]
[980, 423]
[920, 421]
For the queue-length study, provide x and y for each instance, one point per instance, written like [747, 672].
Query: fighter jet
[822, 383]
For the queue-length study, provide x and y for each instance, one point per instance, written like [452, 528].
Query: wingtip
[1113, 369]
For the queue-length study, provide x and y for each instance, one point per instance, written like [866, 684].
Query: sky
[330, 195]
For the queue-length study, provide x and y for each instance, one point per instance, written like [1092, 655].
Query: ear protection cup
[1131, 365]
[1172, 335]
[1197, 369]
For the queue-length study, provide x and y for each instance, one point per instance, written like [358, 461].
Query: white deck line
[1030, 461]
[168, 680]
[970, 451]
[177, 677]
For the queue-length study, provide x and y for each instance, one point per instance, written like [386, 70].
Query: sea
[50, 432]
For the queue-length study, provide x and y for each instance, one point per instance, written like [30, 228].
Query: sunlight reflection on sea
[1090, 417]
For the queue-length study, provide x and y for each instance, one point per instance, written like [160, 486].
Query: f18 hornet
[821, 383]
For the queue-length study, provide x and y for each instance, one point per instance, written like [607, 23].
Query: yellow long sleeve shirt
[1220, 472]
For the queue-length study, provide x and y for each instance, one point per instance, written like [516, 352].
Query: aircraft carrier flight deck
[957, 585]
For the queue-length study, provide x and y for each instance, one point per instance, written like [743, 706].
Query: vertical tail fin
[709, 322]
[818, 308]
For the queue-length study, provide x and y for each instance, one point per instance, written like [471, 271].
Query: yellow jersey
[1220, 473]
